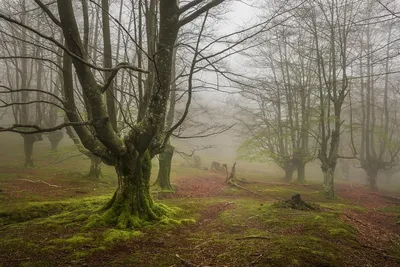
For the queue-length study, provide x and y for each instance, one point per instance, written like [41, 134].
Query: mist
[199, 133]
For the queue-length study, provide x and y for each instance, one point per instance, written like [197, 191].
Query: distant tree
[278, 112]
[379, 142]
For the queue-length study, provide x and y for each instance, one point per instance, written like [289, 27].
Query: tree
[23, 72]
[278, 113]
[378, 144]
[331, 23]
[131, 155]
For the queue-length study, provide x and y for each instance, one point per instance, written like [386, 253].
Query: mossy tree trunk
[95, 168]
[29, 140]
[301, 172]
[132, 204]
[329, 178]
[164, 172]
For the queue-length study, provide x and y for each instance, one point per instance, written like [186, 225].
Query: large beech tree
[131, 154]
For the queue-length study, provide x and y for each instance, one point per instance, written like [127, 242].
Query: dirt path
[205, 185]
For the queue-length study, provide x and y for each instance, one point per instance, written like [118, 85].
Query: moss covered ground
[210, 223]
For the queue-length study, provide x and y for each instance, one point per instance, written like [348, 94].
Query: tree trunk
[329, 190]
[132, 205]
[372, 175]
[55, 138]
[164, 173]
[289, 170]
[301, 172]
[95, 168]
[29, 140]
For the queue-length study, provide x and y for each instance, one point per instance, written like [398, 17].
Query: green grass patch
[55, 211]
[115, 235]
[74, 240]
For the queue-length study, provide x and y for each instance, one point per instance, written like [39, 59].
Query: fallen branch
[256, 260]
[253, 237]
[244, 188]
[186, 262]
[227, 203]
[40, 181]
[202, 244]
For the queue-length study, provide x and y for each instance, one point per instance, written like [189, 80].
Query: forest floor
[43, 216]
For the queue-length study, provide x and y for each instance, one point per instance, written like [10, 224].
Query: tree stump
[296, 203]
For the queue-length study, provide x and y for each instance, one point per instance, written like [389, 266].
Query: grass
[40, 225]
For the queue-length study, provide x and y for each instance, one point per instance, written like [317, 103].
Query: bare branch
[38, 129]
[199, 12]
[74, 56]
[48, 12]
[205, 135]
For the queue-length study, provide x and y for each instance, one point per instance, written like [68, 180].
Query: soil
[377, 230]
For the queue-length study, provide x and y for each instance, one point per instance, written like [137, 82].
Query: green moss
[49, 248]
[339, 232]
[81, 254]
[76, 239]
[115, 235]
[121, 217]
[166, 221]
[101, 248]
[54, 212]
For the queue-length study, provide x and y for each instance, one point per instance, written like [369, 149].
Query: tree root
[118, 214]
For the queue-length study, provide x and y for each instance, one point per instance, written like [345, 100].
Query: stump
[297, 203]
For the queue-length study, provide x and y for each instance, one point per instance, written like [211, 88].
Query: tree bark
[372, 176]
[29, 140]
[132, 203]
[164, 173]
[289, 170]
[301, 172]
[95, 168]
[55, 138]
[329, 190]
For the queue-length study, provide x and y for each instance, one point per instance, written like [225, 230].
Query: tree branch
[48, 12]
[189, 6]
[38, 129]
[9, 90]
[198, 12]
[204, 135]
[74, 56]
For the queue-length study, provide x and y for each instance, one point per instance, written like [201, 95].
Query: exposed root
[120, 214]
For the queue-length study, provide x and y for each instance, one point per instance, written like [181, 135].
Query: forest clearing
[199, 133]
[44, 212]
